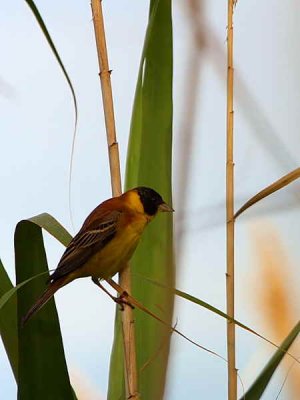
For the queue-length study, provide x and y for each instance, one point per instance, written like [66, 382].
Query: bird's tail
[45, 297]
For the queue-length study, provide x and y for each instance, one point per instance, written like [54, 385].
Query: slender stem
[232, 372]
[140, 306]
[114, 162]
[113, 149]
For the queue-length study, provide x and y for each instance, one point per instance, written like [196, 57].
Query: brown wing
[90, 239]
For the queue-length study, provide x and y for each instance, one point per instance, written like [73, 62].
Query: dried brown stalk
[232, 372]
[131, 376]
[107, 99]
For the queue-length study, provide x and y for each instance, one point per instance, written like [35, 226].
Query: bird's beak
[164, 207]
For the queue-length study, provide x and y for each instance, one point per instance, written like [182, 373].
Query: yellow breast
[114, 256]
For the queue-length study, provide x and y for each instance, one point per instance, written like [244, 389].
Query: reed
[232, 372]
[131, 376]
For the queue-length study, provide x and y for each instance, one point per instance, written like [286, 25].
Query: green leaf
[149, 162]
[8, 322]
[8, 317]
[199, 302]
[52, 226]
[44, 29]
[42, 372]
[13, 291]
[8, 311]
[258, 387]
[211, 308]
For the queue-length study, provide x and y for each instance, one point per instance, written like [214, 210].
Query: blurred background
[36, 135]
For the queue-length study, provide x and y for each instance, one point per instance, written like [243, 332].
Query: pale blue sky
[36, 126]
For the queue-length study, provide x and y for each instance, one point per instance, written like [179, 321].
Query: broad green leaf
[8, 317]
[8, 322]
[8, 309]
[42, 372]
[258, 387]
[149, 164]
[52, 226]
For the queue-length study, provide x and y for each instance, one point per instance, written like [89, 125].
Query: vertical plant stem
[113, 149]
[232, 373]
[114, 162]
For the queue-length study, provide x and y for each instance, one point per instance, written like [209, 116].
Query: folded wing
[90, 240]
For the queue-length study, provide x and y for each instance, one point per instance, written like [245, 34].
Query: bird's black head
[152, 201]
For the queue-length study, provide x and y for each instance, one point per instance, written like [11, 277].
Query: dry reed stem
[248, 104]
[232, 372]
[131, 376]
[108, 107]
[277, 185]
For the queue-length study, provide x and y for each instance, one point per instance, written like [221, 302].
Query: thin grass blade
[213, 309]
[46, 33]
[7, 296]
[260, 384]
[274, 187]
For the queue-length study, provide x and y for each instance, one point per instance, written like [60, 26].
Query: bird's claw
[121, 300]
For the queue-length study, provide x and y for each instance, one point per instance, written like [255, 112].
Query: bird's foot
[122, 299]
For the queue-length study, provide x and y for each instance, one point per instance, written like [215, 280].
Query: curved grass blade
[277, 185]
[53, 227]
[171, 329]
[4, 299]
[44, 29]
[259, 386]
[215, 310]
[40, 342]
[149, 163]
[8, 322]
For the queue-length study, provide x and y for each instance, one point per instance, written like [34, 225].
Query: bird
[105, 243]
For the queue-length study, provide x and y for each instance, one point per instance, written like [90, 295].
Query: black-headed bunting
[106, 241]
